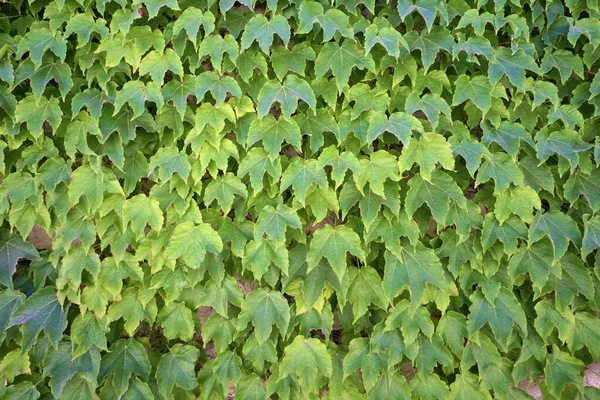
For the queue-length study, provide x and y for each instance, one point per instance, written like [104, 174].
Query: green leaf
[520, 200]
[35, 113]
[216, 46]
[564, 61]
[565, 142]
[191, 242]
[426, 152]
[591, 236]
[177, 368]
[190, 20]
[11, 252]
[40, 77]
[301, 175]
[286, 94]
[341, 60]
[14, 363]
[562, 369]
[431, 104]
[157, 64]
[218, 86]
[38, 41]
[265, 308]
[366, 288]
[262, 30]
[430, 43]
[417, 267]
[536, 260]
[154, 6]
[500, 316]
[513, 65]
[87, 331]
[273, 132]
[61, 365]
[274, 222]
[478, 90]
[136, 93]
[502, 169]
[436, 192]
[141, 211]
[559, 227]
[284, 60]
[581, 183]
[332, 243]
[399, 124]
[125, 358]
[306, 359]
[41, 311]
[509, 136]
[375, 170]
[223, 189]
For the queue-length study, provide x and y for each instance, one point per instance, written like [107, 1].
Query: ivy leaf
[169, 160]
[35, 113]
[563, 60]
[301, 175]
[265, 309]
[157, 64]
[274, 222]
[591, 236]
[38, 41]
[88, 331]
[178, 91]
[333, 243]
[580, 183]
[11, 252]
[500, 316]
[520, 200]
[565, 142]
[273, 132]
[430, 43]
[141, 211]
[176, 320]
[191, 242]
[61, 365]
[478, 90]
[509, 136]
[125, 358]
[436, 192]
[223, 189]
[508, 233]
[387, 36]
[536, 260]
[262, 30]
[216, 46]
[331, 21]
[562, 369]
[154, 6]
[190, 20]
[341, 60]
[430, 149]
[284, 60]
[431, 104]
[41, 311]
[136, 93]
[417, 267]
[286, 94]
[365, 288]
[256, 163]
[340, 163]
[559, 227]
[218, 86]
[502, 169]
[399, 124]
[306, 359]
[513, 65]
[177, 368]
[84, 25]
[376, 170]
[40, 77]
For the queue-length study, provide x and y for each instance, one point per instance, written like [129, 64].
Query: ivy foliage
[374, 199]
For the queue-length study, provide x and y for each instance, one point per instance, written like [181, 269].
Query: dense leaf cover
[407, 193]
